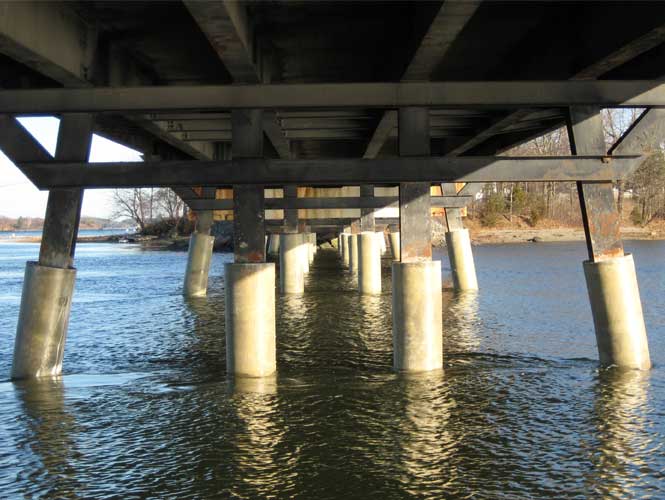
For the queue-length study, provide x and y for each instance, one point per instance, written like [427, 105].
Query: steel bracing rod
[472, 94]
[329, 172]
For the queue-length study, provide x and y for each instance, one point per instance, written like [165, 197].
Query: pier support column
[394, 244]
[291, 275]
[273, 245]
[250, 319]
[417, 319]
[48, 285]
[250, 281]
[417, 301]
[311, 244]
[199, 256]
[346, 249]
[353, 253]
[458, 245]
[461, 260]
[380, 235]
[610, 274]
[369, 269]
[305, 251]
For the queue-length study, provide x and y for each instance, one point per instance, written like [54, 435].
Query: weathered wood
[644, 135]
[453, 215]
[292, 204]
[367, 213]
[248, 224]
[329, 172]
[446, 26]
[602, 223]
[470, 95]
[248, 200]
[291, 215]
[414, 197]
[63, 209]
[611, 61]
[350, 222]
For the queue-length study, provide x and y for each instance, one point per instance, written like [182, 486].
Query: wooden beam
[330, 172]
[414, 197]
[63, 210]
[326, 203]
[18, 144]
[483, 94]
[332, 221]
[49, 38]
[230, 32]
[27, 34]
[602, 223]
[446, 26]
[611, 61]
[644, 135]
[248, 199]
[227, 28]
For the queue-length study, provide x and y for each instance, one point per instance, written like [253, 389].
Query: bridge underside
[238, 106]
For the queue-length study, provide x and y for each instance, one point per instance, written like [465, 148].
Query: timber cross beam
[465, 94]
[387, 171]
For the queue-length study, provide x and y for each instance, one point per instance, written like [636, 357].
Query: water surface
[145, 410]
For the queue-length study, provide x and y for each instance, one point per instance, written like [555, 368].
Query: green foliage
[494, 207]
[22, 223]
[636, 216]
[536, 205]
[520, 200]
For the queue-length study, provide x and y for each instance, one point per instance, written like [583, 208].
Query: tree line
[643, 190]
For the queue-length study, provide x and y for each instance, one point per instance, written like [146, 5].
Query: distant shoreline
[479, 236]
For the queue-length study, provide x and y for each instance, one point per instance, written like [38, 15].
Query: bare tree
[169, 204]
[133, 204]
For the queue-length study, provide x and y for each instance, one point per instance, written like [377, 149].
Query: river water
[145, 410]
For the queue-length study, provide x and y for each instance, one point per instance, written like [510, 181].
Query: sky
[19, 197]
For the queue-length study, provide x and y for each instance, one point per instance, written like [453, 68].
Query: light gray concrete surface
[460, 254]
[250, 319]
[198, 265]
[394, 245]
[382, 241]
[353, 253]
[369, 264]
[346, 249]
[617, 313]
[42, 324]
[291, 274]
[417, 316]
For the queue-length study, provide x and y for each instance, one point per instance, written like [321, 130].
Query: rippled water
[145, 410]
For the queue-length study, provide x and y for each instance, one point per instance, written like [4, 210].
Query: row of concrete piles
[250, 280]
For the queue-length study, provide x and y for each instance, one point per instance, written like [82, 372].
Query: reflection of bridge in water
[245, 124]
